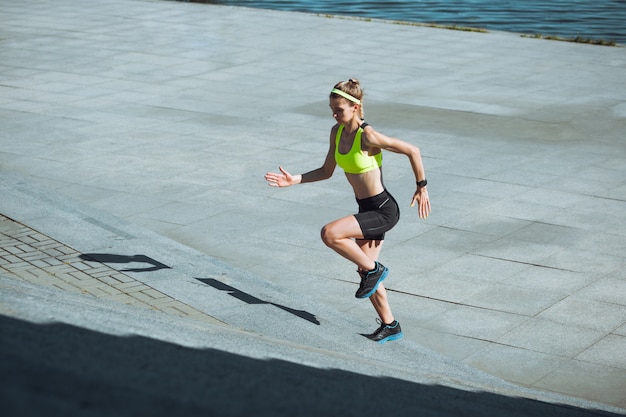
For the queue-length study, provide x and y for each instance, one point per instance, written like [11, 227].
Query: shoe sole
[373, 290]
[391, 337]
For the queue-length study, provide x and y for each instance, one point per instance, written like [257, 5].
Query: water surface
[590, 19]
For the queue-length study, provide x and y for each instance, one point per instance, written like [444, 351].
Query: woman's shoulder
[372, 138]
[368, 131]
[333, 133]
[334, 129]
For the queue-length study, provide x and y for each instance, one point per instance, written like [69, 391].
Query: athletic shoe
[370, 280]
[386, 332]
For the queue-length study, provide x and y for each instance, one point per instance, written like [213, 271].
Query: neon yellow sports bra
[356, 161]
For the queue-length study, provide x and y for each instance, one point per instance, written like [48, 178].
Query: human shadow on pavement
[250, 299]
[60, 369]
[109, 258]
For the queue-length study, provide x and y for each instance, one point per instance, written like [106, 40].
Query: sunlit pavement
[148, 125]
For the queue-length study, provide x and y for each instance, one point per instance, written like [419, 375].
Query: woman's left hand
[423, 202]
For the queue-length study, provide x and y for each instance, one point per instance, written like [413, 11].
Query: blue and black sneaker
[386, 332]
[370, 280]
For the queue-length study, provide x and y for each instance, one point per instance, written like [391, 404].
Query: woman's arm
[375, 139]
[285, 179]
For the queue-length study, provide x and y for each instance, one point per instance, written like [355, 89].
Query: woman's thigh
[346, 227]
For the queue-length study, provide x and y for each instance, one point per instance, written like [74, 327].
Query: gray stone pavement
[100, 331]
[166, 115]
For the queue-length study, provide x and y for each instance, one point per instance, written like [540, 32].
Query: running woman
[357, 148]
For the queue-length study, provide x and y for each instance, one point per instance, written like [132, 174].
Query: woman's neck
[353, 125]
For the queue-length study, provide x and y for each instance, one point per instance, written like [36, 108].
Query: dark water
[590, 19]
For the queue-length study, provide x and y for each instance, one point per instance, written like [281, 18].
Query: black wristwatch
[421, 183]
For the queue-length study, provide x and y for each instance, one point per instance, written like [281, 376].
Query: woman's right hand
[284, 179]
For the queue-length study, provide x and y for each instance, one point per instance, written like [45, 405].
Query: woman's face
[343, 110]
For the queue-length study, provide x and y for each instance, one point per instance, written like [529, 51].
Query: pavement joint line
[31, 256]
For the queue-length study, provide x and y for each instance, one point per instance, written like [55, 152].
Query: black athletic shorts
[377, 215]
